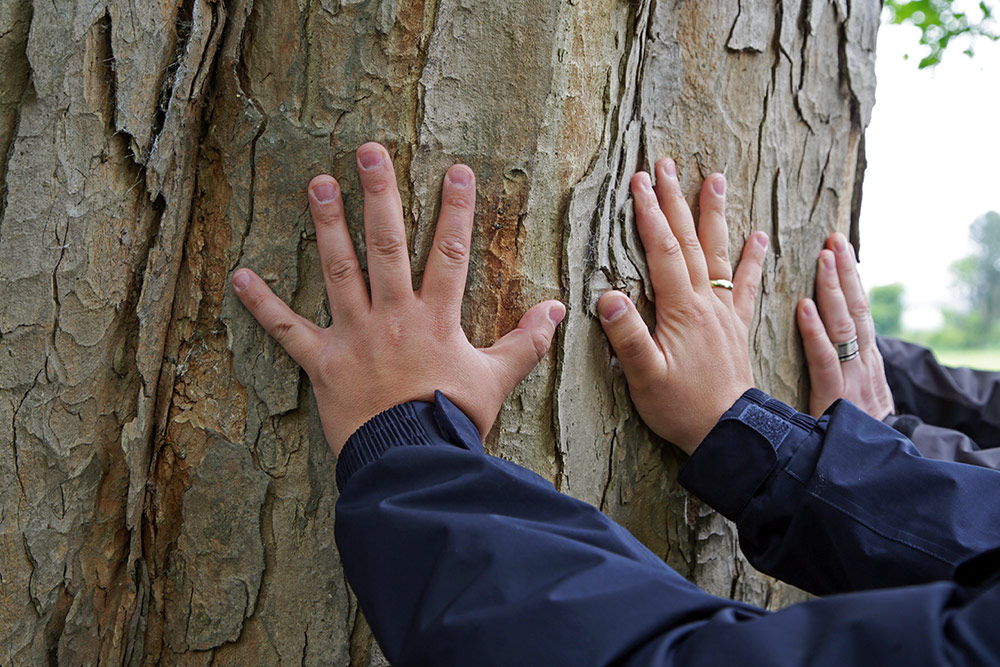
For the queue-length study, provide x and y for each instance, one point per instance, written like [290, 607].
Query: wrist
[721, 402]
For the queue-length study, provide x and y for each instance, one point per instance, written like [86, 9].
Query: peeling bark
[175, 501]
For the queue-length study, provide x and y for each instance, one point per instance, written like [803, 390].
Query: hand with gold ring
[839, 337]
[695, 363]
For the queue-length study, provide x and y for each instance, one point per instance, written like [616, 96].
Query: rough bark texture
[169, 496]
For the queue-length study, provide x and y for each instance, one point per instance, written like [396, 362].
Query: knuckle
[281, 330]
[258, 300]
[442, 326]
[712, 204]
[376, 184]
[860, 310]
[690, 243]
[721, 255]
[672, 189]
[458, 203]
[393, 331]
[339, 270]
[690, 312]
[841, 330]
[631, 344]
[668, 246]
[453, 249]
[387, 244]
[828, 357]
[539, 344]
[328, 219]
[653, 211]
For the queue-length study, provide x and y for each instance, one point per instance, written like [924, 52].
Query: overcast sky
[933, 167]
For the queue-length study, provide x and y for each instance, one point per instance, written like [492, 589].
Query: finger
[444, 278]
[837, 320]
[640, 357]
[345, 285]
[667, 268]
[830, 299]
[520, 350]
[854, 293]
[296, 334]
[746, 283]
[825, 373]
[678, 213]
[713, 233]
[385, 236]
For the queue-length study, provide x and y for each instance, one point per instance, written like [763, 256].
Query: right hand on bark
[843, 313]
[696, 362]
[396, 345]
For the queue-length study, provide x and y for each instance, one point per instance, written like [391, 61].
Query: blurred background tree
[887, 308]
[977, 277]
[941, 21]
[970, 332]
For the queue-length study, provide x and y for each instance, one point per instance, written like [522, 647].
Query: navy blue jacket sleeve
[842, 503]
[461, 558]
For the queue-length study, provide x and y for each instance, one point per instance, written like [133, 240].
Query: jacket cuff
[416, 423]
[741, 452]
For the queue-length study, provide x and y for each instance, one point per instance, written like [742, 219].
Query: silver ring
[848, 349]
[724, 284]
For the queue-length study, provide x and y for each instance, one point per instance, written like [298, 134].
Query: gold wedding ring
[724, 284]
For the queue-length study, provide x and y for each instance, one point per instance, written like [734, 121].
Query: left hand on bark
[696, 362]
[396, 345]
[843, 314]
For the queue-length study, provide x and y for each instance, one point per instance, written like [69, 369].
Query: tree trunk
[169, 494]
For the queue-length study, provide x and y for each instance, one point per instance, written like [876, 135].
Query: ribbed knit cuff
[396, 427]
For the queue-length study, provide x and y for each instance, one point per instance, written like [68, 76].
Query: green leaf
[940, 24]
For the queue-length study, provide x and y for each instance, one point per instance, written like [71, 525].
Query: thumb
[639, 356]
[520, 350]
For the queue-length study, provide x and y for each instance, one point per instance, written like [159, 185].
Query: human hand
[843, 314]
[696, 363]
[396, 345]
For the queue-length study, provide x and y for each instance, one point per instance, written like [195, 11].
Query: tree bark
[169, 494]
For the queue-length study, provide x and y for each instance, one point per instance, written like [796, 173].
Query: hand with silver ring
[839, 337]
[686, 372]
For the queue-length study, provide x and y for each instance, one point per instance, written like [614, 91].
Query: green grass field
[983, 358]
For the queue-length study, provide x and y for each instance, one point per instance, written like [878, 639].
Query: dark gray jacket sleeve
[950, 414]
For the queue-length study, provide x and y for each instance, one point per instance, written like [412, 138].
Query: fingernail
[612, 309]
[370, 158]
[808, 309]
[644, 181]
[719, 185]
[840, 243]
[828, 261]
[324, 192]
[670, 168]
[762, 239]
[557, 314]
[241, 279]
[459, 177]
